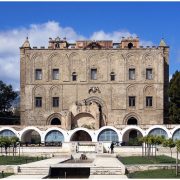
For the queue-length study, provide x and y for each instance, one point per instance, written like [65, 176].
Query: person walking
[112, 147]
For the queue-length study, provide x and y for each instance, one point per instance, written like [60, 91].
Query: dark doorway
[132, 121]
[81, 136]
[55, 121]
[130, 45]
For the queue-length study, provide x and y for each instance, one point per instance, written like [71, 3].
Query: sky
[150, 21]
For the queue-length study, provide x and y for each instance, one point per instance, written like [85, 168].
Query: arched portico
[108, 133]
[159, 131]
[55, 134]
[8, 131]
[80, 134]
[31, 135]
[130, 135]
[176, 133]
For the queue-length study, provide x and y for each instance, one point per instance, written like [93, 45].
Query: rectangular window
[55, 101]
[74, 76]
[112, 77]
[38, 74]
[131, 74]
[132, 101]
[149, 73]
[55, 74]
[93, 74]
[38, 101]
[149, 100]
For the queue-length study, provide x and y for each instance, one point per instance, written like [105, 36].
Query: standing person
[112, 147]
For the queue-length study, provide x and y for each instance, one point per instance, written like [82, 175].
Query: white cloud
[39, 35]
[116, 36]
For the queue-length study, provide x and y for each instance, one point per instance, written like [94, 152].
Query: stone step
[33, 170]
[106, 171]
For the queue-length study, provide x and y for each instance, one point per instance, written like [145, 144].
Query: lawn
[144, 160]
[5, 175]
[10, 160]
[159, 173]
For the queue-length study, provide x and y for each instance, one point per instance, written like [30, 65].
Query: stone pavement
[108, 177]
[25, 177]
[47, 162]
[102, 164]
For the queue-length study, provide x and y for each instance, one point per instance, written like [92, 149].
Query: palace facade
[94, 90]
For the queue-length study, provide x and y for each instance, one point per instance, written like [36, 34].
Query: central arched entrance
[102, 109]
[81, 135]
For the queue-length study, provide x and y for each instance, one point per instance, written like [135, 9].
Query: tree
[14, 141]
[169, 143]
[177, 159]
[7, 95]
[149, 143]
[174, 96]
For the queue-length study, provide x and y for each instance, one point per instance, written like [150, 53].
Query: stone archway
[81, 135]
[55, 121]
[102, 109]
[132, 121]
[85, 120]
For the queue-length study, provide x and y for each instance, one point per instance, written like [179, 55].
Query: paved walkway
[100, 161]
[108, 177]
[25, 177]
[46, 162]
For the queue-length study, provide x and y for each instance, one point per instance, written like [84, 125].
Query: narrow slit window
[93, 74]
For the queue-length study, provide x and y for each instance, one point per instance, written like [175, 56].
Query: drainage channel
[69, 172]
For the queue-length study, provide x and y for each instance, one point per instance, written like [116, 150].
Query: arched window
[132, 121]
[7, 133]
[108, 135]
[54, 136]
[176, 135]
[55, 121]
[158, 132]
[112, 76]
[74, 76]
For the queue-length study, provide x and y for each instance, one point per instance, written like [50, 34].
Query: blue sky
[91, 20]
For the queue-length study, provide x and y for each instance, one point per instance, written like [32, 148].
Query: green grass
[10, 160]
[144, 160]
[5, 175]
[159, 173]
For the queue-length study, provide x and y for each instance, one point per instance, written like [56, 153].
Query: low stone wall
[7, 168]
[44, 151]
[144, 167]
[128, 151]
